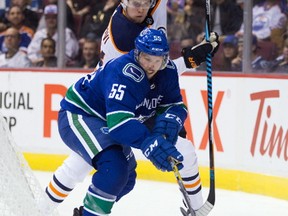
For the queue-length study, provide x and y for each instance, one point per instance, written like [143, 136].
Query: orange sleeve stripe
[193, 185]
[55, 191]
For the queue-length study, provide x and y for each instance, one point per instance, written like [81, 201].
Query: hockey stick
[210, 202]
[208, 205]
[190, 211]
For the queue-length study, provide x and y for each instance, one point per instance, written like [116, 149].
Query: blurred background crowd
[28, 32]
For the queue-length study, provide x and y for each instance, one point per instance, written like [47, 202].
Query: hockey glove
[168, 125]
[194, 56]
[157, 150]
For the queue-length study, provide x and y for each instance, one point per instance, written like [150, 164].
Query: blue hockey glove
[194, 56]
[157, 150]
[168, 125]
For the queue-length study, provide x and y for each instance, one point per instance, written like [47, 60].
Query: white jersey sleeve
[159, 14]
[181, 67]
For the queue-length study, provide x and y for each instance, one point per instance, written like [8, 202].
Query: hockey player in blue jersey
[103, 114]
[102, 117]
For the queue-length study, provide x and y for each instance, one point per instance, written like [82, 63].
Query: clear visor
[139, 4]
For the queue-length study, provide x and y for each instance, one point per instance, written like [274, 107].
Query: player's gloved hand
[168, 125]
[157, 150]
[194, 56]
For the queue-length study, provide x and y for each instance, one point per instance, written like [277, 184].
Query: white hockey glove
[194, 56]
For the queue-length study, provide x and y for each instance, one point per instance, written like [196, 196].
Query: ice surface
[163, 199]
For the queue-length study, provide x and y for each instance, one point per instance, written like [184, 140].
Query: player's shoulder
[171, 67]
[168, 73]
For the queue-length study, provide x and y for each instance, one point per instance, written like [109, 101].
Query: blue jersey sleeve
[172, 102]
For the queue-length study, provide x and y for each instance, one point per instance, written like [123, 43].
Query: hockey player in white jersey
[128, 20]
[74, 169]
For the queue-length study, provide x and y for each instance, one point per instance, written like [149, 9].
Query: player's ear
[165, 62]
[136, 54]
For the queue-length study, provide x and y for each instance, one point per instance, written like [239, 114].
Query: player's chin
[150, 73]
[139, 19]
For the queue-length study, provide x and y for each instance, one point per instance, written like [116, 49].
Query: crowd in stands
[28, 32]
[269, 29]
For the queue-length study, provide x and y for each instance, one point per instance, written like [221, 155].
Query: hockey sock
[190, 173]
[193, 187]
[97, 202]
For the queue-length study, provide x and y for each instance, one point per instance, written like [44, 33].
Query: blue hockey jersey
[121, 94]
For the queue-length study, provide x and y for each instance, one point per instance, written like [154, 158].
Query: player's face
[151, 64]
[136, 10]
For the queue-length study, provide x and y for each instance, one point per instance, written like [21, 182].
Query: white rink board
[243, 108]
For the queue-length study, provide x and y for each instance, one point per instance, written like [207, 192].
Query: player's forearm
[181, 67]
[130, 133]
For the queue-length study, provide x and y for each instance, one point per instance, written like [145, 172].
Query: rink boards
[249, 125]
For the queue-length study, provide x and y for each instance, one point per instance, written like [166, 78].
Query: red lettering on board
[277, 142]
[49, 114]
[216, 135]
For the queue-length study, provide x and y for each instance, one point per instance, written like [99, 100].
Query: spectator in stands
[80, 7]
[175, 10]
[258, 63]
[269, 23]
[175, 19]
[227, 16]
[90, 54]
[37, 5]
[3, 7]
[80, 10]
[69, 17]
[13, 57]
[280, 65]
[31, 17]
[72, 46]
[98, 18]
[16, 19]
[284, 6]
[222, 61]
[194, 20]
[48, 48]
